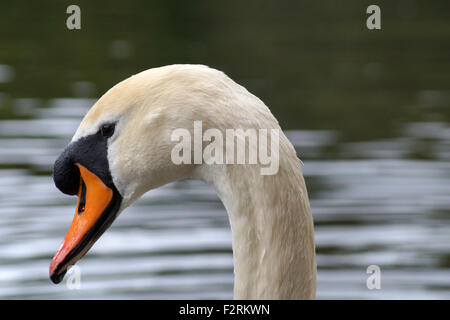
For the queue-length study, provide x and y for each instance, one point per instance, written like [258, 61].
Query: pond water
[370, 206]
[367, 113]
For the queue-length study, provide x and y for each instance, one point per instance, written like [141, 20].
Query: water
[367, 112]
[370, 206]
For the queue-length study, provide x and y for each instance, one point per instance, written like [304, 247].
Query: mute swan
[122, 149]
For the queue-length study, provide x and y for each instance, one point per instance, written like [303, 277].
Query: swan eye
[107, 129]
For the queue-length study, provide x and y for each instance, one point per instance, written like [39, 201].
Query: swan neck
[272, 230]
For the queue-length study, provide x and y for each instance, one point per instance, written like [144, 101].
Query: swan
[122, 149]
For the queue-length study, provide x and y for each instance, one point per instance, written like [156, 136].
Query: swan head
[122, 149]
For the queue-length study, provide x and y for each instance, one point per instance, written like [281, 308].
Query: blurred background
[368, 112]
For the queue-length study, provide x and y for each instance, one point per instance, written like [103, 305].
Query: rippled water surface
[371, 206]
[367, 112]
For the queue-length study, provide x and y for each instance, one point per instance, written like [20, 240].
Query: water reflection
[372, 205]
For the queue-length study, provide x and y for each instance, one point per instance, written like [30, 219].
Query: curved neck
[272, 228]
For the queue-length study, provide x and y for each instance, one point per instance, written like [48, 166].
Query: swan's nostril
[82, 200]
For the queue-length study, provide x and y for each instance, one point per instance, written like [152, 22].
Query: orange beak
[95, 212]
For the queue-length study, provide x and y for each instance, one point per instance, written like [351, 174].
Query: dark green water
[368, 112]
